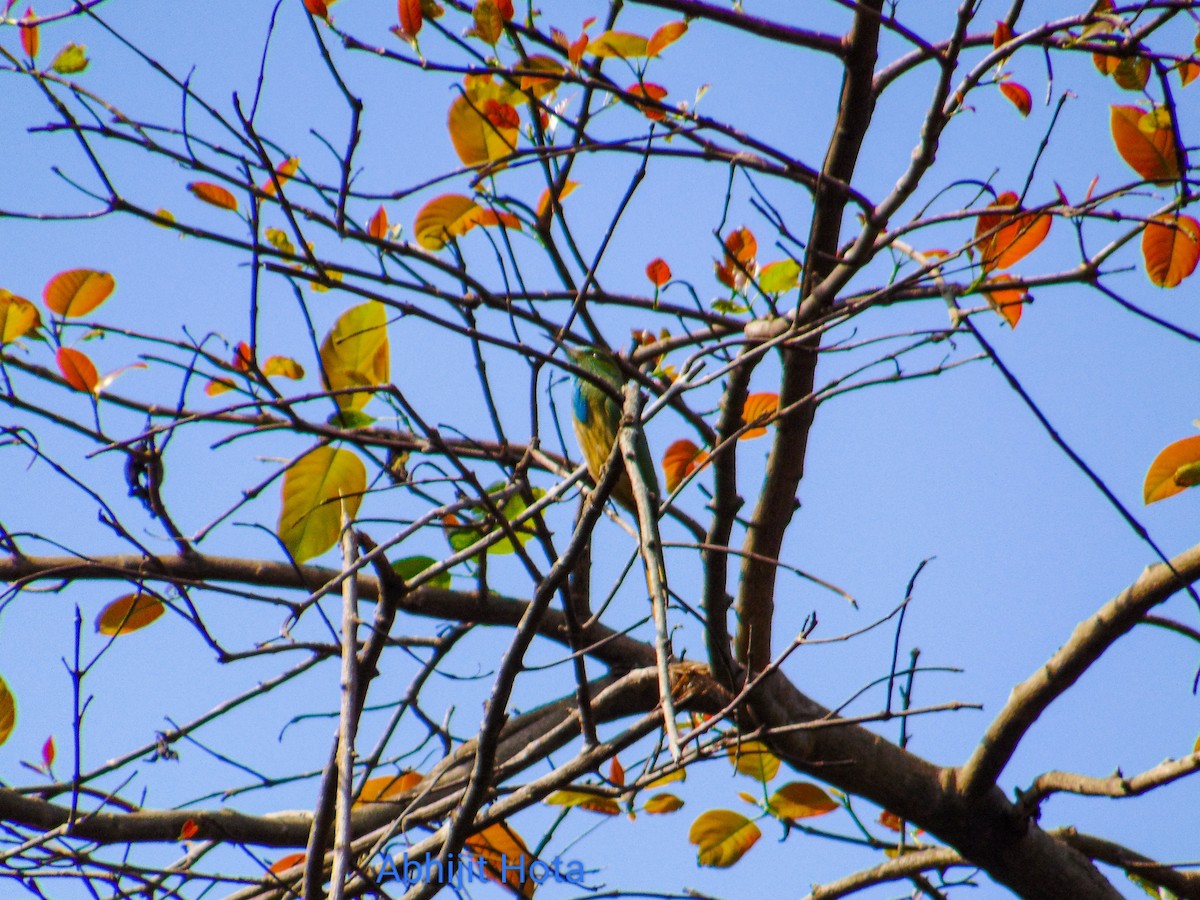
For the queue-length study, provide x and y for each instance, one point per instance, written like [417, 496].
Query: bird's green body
[597, 416]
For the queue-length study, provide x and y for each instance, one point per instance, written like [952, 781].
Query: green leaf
[729, 307]
[350, 419]
[313, 492]
[473, 529]
[412, 566]
[71, 59]
[778, 277]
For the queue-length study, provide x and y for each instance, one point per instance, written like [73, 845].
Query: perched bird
[597, 416]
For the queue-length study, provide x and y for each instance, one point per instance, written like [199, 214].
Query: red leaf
[1010, 237]
[77, 369]
[1171, 249]
[317, 8]
[242, 357]
[1002, 35]
[286, 862]
[506, 8]
[48, 753]
[410, 16]
[189, 830]
[658, 272]
[29, 34]
[1018, 95]
[681, 459]
[651, 91]
[616, 773]
[378, 226]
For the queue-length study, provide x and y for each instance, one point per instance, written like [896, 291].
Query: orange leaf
[128, 614]
[1013, 237]
[8, 711]
[541, 85]
[410, 17]
[658, 272]
[681, 459]
[1171, 248]
[489, 21]
[1001, 35]
[284, 171]
[378, 226]
[1009, 302]
[387, 787]
[242, 357]
[665, 37]
[78, 291]
[505, 7]
[651, 91]
[77, 369]
[543, 203]
[1145, 141]
[445, 217]
[890, 821]
[759, 408]
[1105, 63]
[478, 133]
[616, 773]
[1132, 73]
[488, 217]
[317, 8]
[497, 845]
[286, 862]
[1174, 470]
[740, 249]
[189, 830]
[213, 194]
[1189, 71]
[29, 34]
[1018, 95]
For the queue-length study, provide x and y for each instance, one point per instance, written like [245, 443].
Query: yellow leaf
[482, 129]
[130, 613]
[541, 85]
[78, 291]
[356, 353]
[1173, 470]
[677, 775]
[779, 277]
[759, 410]
[502, 850]
[800, 800]
[284, 171]
[283, 366]
[280, 241]
[311, 518]
[445, 217]
[1171, 248]
[754, 759]
[213, 194]
[723, 837]
[8, 711]
[661, 804]
[606, 806]
[70, 60]
[387, 787]
[543, 204]
[619, 44]
[18, 317]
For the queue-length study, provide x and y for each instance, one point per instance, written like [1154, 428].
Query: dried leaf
[213, 194]
[499, 844]
[1018, 95]
[1146, 142]
[1173, 471]
[800, 800]
[8, 711]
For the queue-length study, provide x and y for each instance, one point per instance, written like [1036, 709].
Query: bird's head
[598, 363]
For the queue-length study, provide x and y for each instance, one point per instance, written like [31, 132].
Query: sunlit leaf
[754, 759]
[350, 419]
[1146, 141]
[467, 531]
[310, 520]
[490, 217]
[411, 18]
[387, 787]
[48, 753]
[280, 241]
[70, 60]
[78, 291]
[605, 806]
[78, 369]
[800, 800]
[1011, 236]
[759, 408]
[543, 204]
[618, 43]
[1150, 888]
[658, 272]
[284, 171]
[1008, 301]
[498, 845]
[356, 353]
[286, 862]
[443, 218]
[541, 85]
[741, 248]
[681, 459]
[29, 34]
[891, 821]
[129, 613]
[317, 8]
[505, 7]
[18, 317]
[482, 131]
[1174, 470]
[723, 837]
[8, 711]
[677, 775]
[109, 377]
[1001, 35]
[616, 772]
[651, 91]
[189, 830]
[1018, 95]
[661, 804]
[1189, 71]
[378, 227]
[1171, 248]
[489, 21]
[779, 277]
[665, 37]
[284, 367]
[213, 194]
[412, 566]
